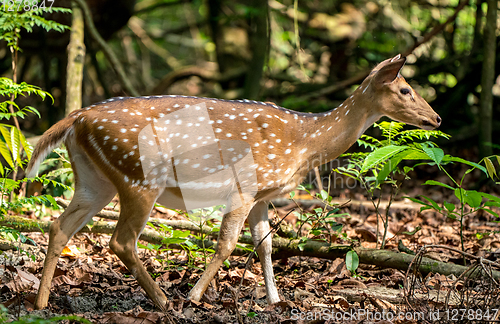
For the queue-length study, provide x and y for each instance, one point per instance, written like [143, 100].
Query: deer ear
[390, 71]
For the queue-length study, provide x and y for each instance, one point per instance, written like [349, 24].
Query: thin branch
[110, 55]
[472, 256]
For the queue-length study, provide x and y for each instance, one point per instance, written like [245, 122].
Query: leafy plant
[352, 262]
[13, 20]
[203, 217]
[170, 236]
[378, 166]
[197, 246]
[471, 201]
[322, 220]
[14, 148]
[58, 167]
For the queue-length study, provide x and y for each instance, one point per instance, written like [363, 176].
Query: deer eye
[404, 91]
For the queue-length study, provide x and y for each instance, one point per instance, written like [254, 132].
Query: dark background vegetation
[251, 49]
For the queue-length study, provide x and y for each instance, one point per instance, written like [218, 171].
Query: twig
[377, 212]
[318, 179]
[115, 63]
[463, 253]
[481, 260]
[386, 224]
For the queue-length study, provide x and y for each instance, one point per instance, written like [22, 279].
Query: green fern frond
[43, 199]
[421, 134]
[367, 145]
[389, 129]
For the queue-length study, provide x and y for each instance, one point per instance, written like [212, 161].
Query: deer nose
[438, 121]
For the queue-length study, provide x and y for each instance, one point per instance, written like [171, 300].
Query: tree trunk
[259, 45]
[487, 80]
[214, 19]
[76, 61]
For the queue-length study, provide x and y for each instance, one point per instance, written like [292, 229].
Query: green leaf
[324, 194]
[469, 197]
[391, 165]
[418, 201]
[491, 212]
[437, 183]
[180, 234]
[352, 261]
[490, 203]
[316, 232]
[435, 153]
[449, 158]
[416, 154]
[173, 240]
[418, 228]
[490, 197]
[8, 184]
[301, 187]
[432, 202]
[332, 213]
[5, 131]
[15, 149]
[336, 227]
[5, 152]
[380, 155]
[449, 206]
[407, 169]
[490, 168]
[52, 202]
[26, 146]
[292, 194]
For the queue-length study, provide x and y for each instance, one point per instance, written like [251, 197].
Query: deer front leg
[135, 210]
[258, 219]
[230, 229]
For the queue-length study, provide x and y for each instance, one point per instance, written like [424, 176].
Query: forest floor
[92, 283]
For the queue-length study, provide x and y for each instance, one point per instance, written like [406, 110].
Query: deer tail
[49, 140]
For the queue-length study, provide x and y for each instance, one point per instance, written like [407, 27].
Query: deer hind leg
[230, 229]
[135, 210]
[93, 191]
[258, 220]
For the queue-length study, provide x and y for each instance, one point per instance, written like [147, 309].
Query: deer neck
[332, 133]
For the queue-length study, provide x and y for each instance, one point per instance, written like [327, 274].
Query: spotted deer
[187, 152]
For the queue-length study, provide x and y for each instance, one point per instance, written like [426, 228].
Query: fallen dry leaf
[70, 251]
